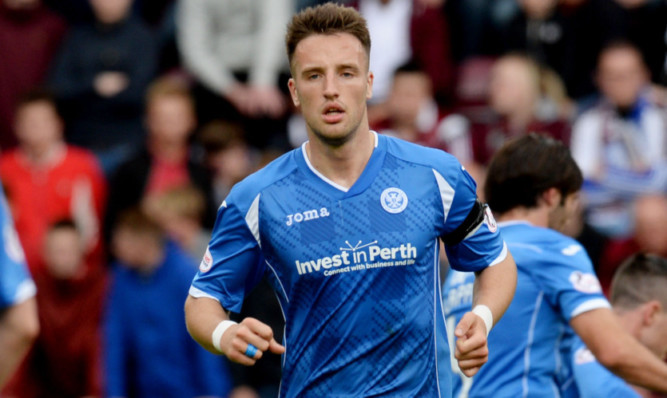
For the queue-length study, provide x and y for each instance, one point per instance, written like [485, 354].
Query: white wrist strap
[219, 331]
[487, 316]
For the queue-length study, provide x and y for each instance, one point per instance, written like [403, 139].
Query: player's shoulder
[549, 244]
[431, 159]
[247, 189]
[418, 154]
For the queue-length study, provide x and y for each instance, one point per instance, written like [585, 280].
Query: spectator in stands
[179, 211]
[620, 144]
[389, 25]
[542, 31]
[166, 161]
[520, 105]
[144, 319]
[100, 77]
[413, 114]
[29, 37]
[227, 155]
[233, 49]
[65, 360]
[49, 181]
[649, 236]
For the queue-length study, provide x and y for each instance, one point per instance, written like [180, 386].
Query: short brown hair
[640, 279]
[326, 19]
[37, 95]
[136, 221]
[526, 167]
[169, 86]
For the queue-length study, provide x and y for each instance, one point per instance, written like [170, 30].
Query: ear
[551, 197]
[291, 84]
[369, 86]
[650, 311]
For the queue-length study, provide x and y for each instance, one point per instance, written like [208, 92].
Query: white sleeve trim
[590, 305]
[25, 290]
[501, 257]
[252, 219]
[196, 293]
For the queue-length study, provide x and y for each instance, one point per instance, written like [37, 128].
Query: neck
[630, 320]
[167, 151]
[519, 120]
[42, 155]
[342, 164]
[538, 216]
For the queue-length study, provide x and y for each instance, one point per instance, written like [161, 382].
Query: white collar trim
[322, 176]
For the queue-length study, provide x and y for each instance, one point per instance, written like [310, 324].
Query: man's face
[621, 76]
[564, 212]
[511, 87]
[170, 118]
[110, 11]
[409, 93]
[330, 85]
[63, 253]
[37, 125]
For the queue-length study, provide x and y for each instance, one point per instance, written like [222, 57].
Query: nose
[330, 86]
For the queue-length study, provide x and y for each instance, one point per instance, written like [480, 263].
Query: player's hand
[471, 346]
[234, 342]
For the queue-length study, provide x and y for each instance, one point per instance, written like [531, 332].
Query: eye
[313, 76]
[347, 74]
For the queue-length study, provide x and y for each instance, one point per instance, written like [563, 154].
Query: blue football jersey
[555, 283]
[355, 270]
[15, 282]
[594, 380]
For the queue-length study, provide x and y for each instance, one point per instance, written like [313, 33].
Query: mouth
[333, 113]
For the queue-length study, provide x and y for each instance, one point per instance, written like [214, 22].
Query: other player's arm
[493, 291]
[19, 327]
[618, 351]
[203, 316]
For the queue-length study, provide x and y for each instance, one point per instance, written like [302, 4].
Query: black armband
[474, 219]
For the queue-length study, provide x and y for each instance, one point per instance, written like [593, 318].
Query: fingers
[237, 339]
[465, 324]
[471, 346]
[472, 361]
[276, 348]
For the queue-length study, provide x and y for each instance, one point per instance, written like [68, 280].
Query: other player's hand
[472, 350]
[234, 342]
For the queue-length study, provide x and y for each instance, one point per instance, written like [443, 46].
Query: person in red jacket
[48, 180]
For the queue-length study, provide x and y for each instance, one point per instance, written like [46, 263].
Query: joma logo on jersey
[307, 215]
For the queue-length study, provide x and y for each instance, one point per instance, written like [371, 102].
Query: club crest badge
[394, 200]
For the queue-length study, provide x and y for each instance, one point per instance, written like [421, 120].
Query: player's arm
[618, 351]
[19, 327]
[493, 291]
[209, 324]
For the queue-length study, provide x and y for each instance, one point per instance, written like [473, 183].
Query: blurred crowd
[123, 125]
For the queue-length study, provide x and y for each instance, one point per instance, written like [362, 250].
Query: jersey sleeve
[16, 285]
[232, 264]
[483, 246]
[569, 282]
[594, 380]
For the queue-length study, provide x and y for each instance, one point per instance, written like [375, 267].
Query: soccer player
[532, 186]
[639, 300]
[346, 228]
[19, 324]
